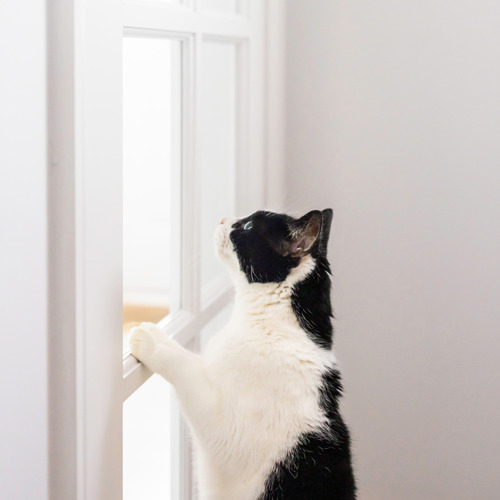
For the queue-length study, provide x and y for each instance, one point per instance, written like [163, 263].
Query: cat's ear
[326, 224]
[304, 233]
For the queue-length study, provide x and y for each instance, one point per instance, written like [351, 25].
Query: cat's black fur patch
[319, 467]
[311, 297]
[311, 304]
[258, 248]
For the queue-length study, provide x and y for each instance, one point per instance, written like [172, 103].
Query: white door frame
[85, 288]
[88, 378]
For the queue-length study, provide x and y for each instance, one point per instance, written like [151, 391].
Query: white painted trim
[85, 292]
[251, 113]
[190, 178]
[163, 17]
[275, 105]
[98, 219]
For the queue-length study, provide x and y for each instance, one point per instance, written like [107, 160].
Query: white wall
[394, 121]
[23, 252]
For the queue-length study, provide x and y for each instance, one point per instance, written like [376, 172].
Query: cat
[263, 400]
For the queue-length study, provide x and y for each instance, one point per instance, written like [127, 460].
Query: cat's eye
[248, 225]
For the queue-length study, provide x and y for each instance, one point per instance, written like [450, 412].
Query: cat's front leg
[182, 368]
[158, 352]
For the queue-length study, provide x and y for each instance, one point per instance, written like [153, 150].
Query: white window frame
[88, 380]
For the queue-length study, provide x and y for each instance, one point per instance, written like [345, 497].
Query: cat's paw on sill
[143, 340]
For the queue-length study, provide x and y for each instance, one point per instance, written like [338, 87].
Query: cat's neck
[301, 301]
[255, 297]
[268, 302]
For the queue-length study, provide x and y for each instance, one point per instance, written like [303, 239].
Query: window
[152, 123]
[167, 132]
[186, 101]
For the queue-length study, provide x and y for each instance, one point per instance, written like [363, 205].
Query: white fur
[256, 389]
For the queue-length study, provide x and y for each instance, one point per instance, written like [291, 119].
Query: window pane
[227, 6]
[218, 176]
[147, 442]
[151, 161]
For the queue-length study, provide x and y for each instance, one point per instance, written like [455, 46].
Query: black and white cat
[263, 400]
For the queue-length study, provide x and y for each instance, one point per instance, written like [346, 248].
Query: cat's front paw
[144, 339]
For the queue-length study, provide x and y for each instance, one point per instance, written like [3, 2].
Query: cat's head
[266, 247]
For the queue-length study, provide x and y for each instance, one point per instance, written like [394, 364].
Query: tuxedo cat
[263, 400]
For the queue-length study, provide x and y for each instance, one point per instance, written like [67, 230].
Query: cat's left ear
[326, 224]
[304, 233]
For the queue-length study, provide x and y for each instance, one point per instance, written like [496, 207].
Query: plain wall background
[394, 121]
[23, 252]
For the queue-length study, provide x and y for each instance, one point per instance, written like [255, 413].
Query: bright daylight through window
[151, 157]
[151, 197]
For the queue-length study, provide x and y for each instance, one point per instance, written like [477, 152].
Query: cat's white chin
[222, 242]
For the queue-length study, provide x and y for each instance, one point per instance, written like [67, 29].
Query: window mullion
[190, 175]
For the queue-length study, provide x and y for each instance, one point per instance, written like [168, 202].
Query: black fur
[311, 297]
[311, 304]
[319, 467]
[258, 248]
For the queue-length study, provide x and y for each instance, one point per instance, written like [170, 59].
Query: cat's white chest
[269, 384]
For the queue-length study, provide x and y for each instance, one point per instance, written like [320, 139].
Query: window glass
[151, 191]
[219, 150]
[147, 441]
